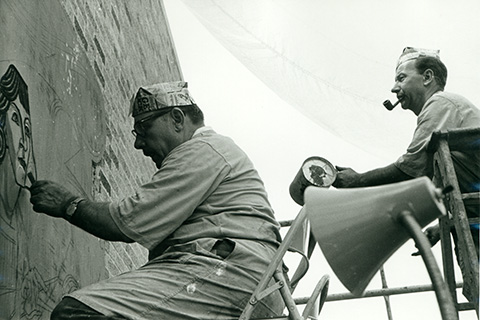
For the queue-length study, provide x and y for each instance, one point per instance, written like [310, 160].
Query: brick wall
[79, 62]
[128, 44]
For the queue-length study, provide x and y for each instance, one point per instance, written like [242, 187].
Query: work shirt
[443, 111]
[206, 189]
[211, 232]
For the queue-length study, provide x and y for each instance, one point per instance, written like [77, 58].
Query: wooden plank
[456, 207]
[471, 199]
[458, 139]
[445, 239]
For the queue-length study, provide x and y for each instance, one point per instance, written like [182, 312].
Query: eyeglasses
[139, 128]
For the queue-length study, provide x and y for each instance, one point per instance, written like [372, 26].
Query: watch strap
[72, 208]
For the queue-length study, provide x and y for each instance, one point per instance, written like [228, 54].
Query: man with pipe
[204, 216]
[419, 86]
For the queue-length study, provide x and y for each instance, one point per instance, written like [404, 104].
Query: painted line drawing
[17, 162]
[52, 126]
[27, 291]
[38, 295]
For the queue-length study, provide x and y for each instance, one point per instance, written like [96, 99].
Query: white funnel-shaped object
[357, 229]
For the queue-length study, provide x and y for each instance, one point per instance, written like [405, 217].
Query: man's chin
[157, 159]
[158, 162]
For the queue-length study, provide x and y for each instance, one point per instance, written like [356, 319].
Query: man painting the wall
[419, 85]
[204, 217]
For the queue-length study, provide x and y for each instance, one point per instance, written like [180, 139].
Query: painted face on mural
[17, 165]
[19, 143]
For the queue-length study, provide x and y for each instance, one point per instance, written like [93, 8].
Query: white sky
[278, 138]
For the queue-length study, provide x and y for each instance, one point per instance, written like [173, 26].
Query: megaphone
[358, 229]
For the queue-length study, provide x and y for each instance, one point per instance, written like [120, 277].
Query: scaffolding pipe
[376, 293]
[444, 298]
[386, 297]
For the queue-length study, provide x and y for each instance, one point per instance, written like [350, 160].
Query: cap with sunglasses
[160, 96]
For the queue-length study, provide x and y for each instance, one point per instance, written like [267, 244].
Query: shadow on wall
[52, 126]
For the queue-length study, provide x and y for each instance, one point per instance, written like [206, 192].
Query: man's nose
[139, 143]
[395, 88]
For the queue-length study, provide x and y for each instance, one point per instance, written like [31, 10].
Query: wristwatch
[72, 207]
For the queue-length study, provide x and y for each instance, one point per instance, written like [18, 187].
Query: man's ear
[178, 117]
[428, 76]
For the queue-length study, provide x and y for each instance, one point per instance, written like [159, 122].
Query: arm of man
[348, 178]
[94, 217]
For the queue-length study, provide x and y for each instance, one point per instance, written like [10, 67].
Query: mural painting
[52, 126]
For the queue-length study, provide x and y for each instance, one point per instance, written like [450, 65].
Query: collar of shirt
[202, 130]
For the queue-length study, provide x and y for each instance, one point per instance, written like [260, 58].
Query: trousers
[73, 309]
